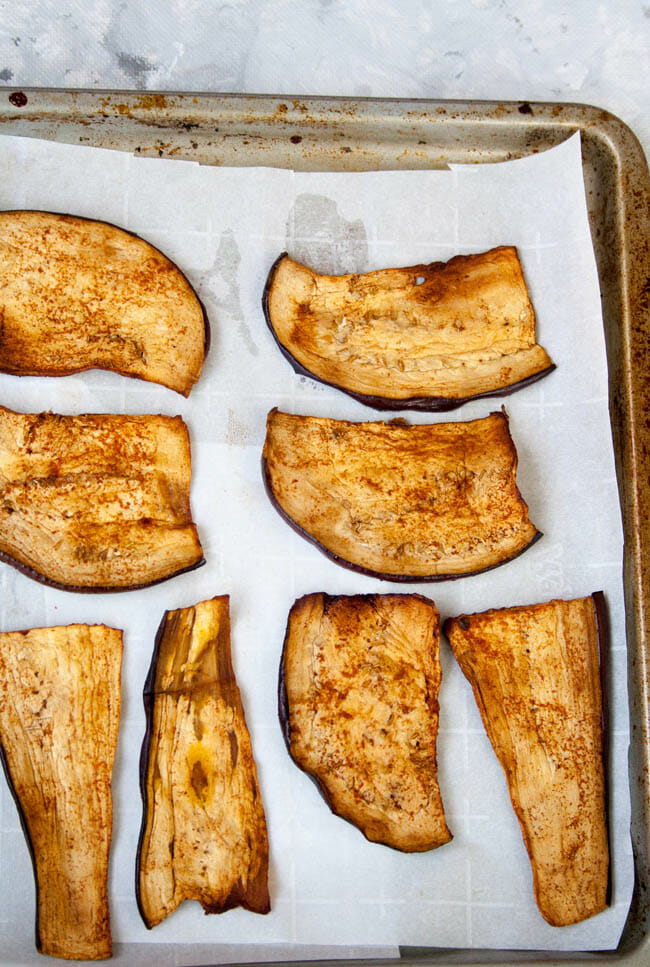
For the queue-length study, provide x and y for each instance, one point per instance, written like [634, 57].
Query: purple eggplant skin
[398, 578]
[604, 645]
[148, 696]
[207, 335]
[81, 589]
[423, 404]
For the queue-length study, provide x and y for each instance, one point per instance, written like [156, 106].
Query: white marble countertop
[558, 50]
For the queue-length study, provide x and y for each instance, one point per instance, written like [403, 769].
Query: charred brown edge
[237, 896]
[283, 698]
[357, 568]
[432, 404]
[35, 575]
[604, 641]
[207, 335]
[604, 646]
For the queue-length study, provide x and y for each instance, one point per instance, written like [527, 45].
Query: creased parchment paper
[225, 227]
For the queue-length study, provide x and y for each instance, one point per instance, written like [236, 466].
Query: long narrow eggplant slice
[96, 502]
[80, 294]
[404, 503]
[59, 716]
[425, 337]
[536, 679]
[203, 833]
[359, 684]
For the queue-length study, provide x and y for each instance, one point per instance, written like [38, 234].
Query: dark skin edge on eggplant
[604, 642]
[401, 578]
[430, 404]
[283, 716]
[148, 702]
[206, 322]
[82, 589]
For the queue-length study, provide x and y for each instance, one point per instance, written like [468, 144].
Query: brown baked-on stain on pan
[425, 337]
[59, 717]
[428, 502]
[358, 704]
[203, 834]
[81, 294]
[537, 676]
[97, 502]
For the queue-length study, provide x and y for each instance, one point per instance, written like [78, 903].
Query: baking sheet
[225, 227]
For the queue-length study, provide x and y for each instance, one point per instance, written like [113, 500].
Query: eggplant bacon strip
[359, 684]
[536, 679]
[403, 503]
[203, 833]
[81, 294]
[59, 716]
[425, 337]
[96, 502]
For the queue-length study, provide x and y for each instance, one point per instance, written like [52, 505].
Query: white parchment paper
[225, 227]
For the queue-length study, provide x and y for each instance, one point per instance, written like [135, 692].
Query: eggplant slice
[425, 337]
[359, 684]
[96, 502]
[399, 502]
[537, 682]
[79, 294]
[59, 717]
[203, 833]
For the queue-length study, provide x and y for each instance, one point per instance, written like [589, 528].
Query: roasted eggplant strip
[359, 684]
[536, 679]
[59, 716]
[404, 503]
[425, 337]
[81, 294]
[96, 502]
[203, 833]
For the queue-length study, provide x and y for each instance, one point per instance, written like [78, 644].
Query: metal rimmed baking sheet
[319, 134]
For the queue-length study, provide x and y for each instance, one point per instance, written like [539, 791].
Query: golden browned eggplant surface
[535, 675]
[59, 716]
[80, 294]
[204, 833]
[96, 502]
[428, 336]
[402, 502]
[359, 689]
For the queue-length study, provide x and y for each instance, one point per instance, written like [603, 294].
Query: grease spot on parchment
[6, 74]
[135, 67]
[319, 236]
[238, 433]
[220, 288]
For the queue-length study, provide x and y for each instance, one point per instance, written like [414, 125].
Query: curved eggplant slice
[59, 716]
[403, 503]
[203, 834]
[359, 684]
[535, 675]
[96, 502]
[80, 294]
[425, 337]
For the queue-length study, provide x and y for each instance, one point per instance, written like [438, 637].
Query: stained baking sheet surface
[225, 227]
